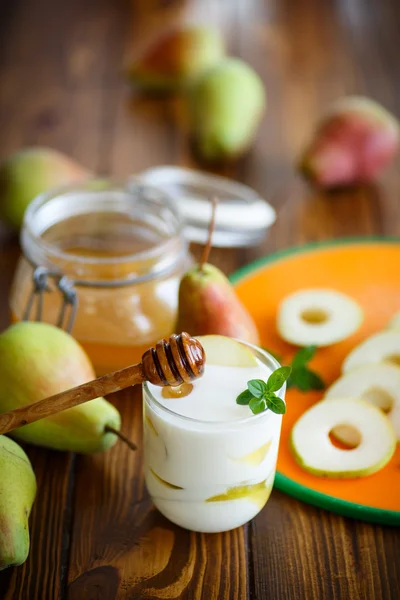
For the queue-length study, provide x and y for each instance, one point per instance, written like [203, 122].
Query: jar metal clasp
[66, 286]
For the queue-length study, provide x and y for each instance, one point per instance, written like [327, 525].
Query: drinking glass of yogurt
[209, 462]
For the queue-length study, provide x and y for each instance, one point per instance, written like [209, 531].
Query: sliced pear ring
[318, 317]
[381, 347]
[314, 451]
[395, 321]
[378, 384]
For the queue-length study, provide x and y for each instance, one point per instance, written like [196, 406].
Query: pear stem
[211, 228]
[121, 436]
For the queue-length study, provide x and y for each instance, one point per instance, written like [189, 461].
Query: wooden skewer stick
[179, 360]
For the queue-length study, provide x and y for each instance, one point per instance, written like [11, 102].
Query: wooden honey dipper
[181, 359]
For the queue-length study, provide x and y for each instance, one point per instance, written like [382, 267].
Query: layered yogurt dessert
[209, 461]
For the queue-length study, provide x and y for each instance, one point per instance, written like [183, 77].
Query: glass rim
[111, 184]
[266, 358]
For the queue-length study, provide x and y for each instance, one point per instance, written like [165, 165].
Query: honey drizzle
[179, 391]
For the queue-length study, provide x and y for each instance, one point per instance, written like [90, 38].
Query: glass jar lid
[242, 217]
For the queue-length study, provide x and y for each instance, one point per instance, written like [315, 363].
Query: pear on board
[208, 304]
[30, 172]
[313, 451]
[17, 493]
[38, 360]
[175, 58]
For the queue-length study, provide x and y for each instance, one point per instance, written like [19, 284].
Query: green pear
[175, 58]
[29, 172]
[39, 360]
[225, 108]
[17, 493]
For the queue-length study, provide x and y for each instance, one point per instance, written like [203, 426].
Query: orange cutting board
[368, 270]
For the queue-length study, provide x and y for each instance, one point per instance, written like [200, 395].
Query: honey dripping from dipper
[179, 391]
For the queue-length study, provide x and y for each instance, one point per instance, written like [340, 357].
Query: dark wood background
[94, 531]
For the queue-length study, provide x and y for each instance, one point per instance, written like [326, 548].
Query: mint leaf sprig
[302, 377]
[260, 395]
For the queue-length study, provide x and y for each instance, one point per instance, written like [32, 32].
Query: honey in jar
[119, 251]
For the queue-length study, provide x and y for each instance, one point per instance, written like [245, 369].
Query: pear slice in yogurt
[223, 351]
[314, 451]
[256, 457]
[167, 484]
[150, 425]
[258, 493]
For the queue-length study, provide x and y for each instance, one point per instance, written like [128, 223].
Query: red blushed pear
[354, 142]
[208, 304]
[176, 57]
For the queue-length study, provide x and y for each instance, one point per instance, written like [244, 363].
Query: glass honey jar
[105, 259]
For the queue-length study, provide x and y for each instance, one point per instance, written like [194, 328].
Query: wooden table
[94, 531]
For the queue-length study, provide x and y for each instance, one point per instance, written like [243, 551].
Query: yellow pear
[38, 360]
[17, 493]
[30, 172]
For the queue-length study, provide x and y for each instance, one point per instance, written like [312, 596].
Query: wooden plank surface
[95, 533]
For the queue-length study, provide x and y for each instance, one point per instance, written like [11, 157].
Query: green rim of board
[283, 483]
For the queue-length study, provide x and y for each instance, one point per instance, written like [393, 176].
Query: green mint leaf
[303, 356]
[317, 382]
[257, 387]
[306, 380]
[257, 405]
[273, 353]
[278, 378]
[276, 404]
[290, 382]
[244, 398]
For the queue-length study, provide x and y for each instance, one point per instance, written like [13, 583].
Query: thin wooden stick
[171, 362]
[108, 384]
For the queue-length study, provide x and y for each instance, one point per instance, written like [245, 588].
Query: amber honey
[179, 391]
[109, 357]
[124, 253]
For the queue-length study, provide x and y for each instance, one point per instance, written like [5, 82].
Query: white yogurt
[209, 462]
